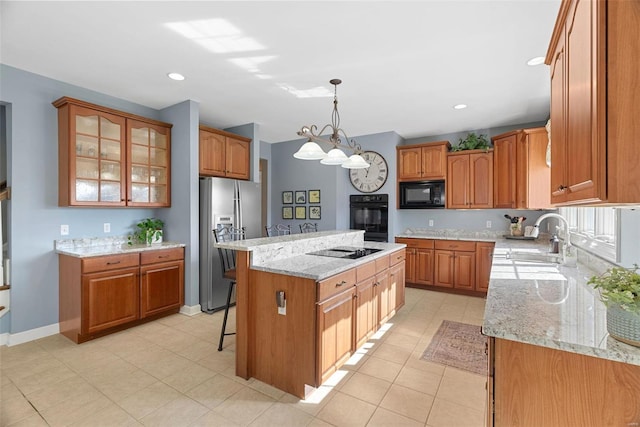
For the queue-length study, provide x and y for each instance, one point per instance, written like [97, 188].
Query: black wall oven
[422, 195]
[371, 214]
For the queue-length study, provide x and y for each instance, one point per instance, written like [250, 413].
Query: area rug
[459, 345]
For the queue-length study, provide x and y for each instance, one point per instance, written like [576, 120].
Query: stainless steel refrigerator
[223, 201]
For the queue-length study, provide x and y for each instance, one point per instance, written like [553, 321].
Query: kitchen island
[327, 307]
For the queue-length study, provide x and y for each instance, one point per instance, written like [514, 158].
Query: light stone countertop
[99, 246]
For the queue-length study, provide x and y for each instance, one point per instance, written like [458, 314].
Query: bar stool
[228, 262]
[277, 230]
[308, 227]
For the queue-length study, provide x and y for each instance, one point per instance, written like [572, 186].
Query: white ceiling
[404, 65]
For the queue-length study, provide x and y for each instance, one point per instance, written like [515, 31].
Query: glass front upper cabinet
[108, 159]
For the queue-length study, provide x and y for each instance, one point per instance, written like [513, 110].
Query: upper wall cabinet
[470, 179]
[110, 158]
[224, 154]
[422, 161]
[521, 177]
[595, 87]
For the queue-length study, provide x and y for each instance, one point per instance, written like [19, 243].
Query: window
[593, 229]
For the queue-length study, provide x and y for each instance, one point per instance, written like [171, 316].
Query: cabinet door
[211, 154]
[335, 330]
[464, 270]
[109, 299]
[237, 155]
[94, 164]
[161, 287]
[522, 149]
[409, 163]
[443, 268]
[424, 266]
[386, 298]
[149, 163]
[411, 265]
[396, 286]
[366, 321]
[481, 180]
[584, 158]
[458, 182]
[559, 128]
[484, 259]
[434, 162]
[505, 180]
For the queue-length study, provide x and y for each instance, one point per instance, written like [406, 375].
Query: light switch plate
[64, 230]
[107, 227]
[430, 223]
[488, 224]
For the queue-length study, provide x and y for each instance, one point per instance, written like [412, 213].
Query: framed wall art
[287, 197]
[314, 196]
[301, 212]
[301, 197]
[287, 212]
[314, 212]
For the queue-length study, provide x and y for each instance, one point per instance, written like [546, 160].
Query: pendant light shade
[335, 156]
[355, 162]
[310, 151]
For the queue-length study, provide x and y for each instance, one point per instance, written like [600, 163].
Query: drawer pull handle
[399, 257]
[113, 262]
[342, 283]
[163, 256]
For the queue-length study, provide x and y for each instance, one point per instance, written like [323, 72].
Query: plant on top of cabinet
[149, 231]
[109, 158]
[472, 142]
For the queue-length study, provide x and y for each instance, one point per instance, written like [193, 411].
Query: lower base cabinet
[103, 294]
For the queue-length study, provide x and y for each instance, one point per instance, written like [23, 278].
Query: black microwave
[422, 195]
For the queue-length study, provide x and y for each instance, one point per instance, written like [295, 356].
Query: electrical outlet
[64, 230]
[488, 224]
[107, 227]
[430, 223]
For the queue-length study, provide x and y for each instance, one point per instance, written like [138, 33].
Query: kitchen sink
[535, 257]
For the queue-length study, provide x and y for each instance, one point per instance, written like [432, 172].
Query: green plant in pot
[148, 231]
[620, 291]
[472, 142]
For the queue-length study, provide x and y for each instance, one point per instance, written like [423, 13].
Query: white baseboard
[190, 310]
[4, 338]
[33, 334]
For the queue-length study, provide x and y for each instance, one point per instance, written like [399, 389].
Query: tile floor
[168, 373]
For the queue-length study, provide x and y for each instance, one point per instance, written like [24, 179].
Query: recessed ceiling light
[175, 76]
[460, 106]
[536, 61]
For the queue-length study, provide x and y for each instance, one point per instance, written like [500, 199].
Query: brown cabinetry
[419, 262]
[110, 158]
[484, 260]
[223, 154]
[422, 161]
[470, 179]
[455, 264]
[594, 90]
[335, 332]
[99, 295]
[522, 178]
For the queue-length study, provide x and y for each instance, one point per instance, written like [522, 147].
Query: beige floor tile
[32, 421]
[365, 387]
[111, 416]
[381, 368]
[385, 418]
[55, 343]
[263, 388]
[14, 410]
[244, 406]
[179, 412]
[40, 380]
[447, 414]
[407, 402]
[197, 350]
[121, 386]
[189, 377]
[344, 410]
[212, 392]
[125, 344]
[21, 354]
[392, 353]
[160, 364]
[75, 409]
[415, 362]
[280, 414]
[173, 320]
[319, 423]
[407, 342]
[147, 400]
[105, 369]
[54, 394]
[8, 390]
[38, 366]
[463, 387]
[418, 380]
[314, 403]
[212, 418]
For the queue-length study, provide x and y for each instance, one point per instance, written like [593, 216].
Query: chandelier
[312, 151]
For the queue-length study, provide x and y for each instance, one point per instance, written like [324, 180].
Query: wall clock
[372, 178]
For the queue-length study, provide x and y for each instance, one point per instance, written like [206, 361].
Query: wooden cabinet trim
[455, 245]
[67, 100]
[224, 133]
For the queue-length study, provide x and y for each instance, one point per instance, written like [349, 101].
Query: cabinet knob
[342, 283]
[562, 187]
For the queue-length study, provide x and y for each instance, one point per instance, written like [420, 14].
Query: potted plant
[472, 142]
[148, 231]
[620, 292]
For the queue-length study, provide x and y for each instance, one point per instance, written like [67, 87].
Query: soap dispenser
[554, 244]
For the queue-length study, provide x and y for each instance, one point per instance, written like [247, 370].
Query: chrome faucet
[536, 226]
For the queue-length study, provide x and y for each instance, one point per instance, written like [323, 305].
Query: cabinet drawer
[109, 262]
[336, 284]
[366, 270]
[416, 243]
[162, 255]
[397, 257]
[382, 263]
[455, 245]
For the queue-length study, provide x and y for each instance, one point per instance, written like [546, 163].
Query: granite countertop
[452, 234]
[99, 246]
[549, 305]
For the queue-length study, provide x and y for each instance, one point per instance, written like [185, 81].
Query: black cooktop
[348, 252]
